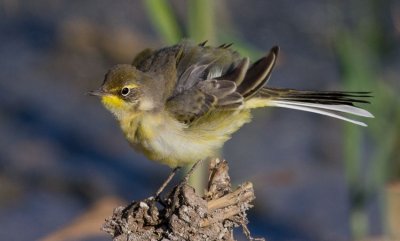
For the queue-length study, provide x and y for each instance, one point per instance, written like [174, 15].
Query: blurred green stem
[358, 73]
[359, 224]
[201, 27]
[164, 20]
[359, 51]
[201, 16]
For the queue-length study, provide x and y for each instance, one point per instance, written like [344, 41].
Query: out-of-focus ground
[61, 151]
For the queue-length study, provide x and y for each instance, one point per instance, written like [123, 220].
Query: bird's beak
[98, 92]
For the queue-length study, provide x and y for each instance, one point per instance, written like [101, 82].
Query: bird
[181, 103]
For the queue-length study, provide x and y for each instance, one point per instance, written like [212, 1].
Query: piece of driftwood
[184, 215]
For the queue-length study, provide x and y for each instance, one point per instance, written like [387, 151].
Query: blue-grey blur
[316, 178]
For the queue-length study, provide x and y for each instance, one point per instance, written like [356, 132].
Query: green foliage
[201, 14]
[359, 51]
[201, 24]
[164, 20]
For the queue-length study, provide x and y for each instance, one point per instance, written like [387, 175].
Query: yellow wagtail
[180, 104]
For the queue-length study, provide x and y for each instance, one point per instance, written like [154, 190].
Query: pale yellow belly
[165, 140]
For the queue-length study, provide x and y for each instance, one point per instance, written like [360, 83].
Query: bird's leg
[190, 172]
[171, 175]
[178, 188]
[166, 182]
[156, 197]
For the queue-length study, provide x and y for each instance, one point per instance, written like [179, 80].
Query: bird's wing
[198, 63]
[205, 96]
[213, 79]
[141, 58]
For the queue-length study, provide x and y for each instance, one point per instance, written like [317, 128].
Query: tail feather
[250, 81]
[321, 97]
[322, 102]
[258, 74]
[341, 108]
[319, 111]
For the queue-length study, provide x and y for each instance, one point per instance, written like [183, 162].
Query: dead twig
[187, 216]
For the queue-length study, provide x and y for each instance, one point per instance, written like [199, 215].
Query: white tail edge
[324, 109]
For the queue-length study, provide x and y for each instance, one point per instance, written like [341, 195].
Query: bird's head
[126, 90]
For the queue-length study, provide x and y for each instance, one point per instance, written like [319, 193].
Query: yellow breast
[163, 139]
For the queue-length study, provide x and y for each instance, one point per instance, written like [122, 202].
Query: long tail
[251, 80]
[329, 103]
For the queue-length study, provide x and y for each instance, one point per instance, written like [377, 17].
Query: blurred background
[64, 163]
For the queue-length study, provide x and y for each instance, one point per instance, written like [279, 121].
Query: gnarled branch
[185, 215]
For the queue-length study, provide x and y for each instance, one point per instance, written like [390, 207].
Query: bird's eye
[125, 91]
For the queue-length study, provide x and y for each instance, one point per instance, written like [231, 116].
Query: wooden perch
[186, 216]
[228, 206]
